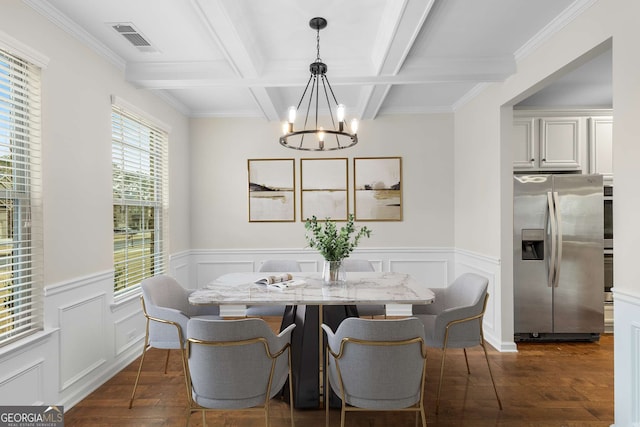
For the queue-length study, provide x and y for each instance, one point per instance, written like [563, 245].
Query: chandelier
[319, 138]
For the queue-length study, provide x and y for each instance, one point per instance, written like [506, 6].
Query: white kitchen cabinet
[601, 146]
[562, 139]
[549, 143]
[525, 147]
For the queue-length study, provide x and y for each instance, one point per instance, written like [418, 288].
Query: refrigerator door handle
[552, 226]
[556, 200]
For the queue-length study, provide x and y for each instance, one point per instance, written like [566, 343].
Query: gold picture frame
[324, 188]
[377, 185]
[272, 190]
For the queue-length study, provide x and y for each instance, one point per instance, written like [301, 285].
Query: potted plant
[334, 245]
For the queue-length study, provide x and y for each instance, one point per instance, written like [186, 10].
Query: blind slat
[139, 157]
[20, 215]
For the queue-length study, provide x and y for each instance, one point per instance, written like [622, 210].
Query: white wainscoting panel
[635, 373]
[626, 325]
[433, 273]
[24, 385]
[82, 339]
[179, 268]
[128, 331]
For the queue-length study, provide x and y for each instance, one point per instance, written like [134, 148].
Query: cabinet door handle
[544, 160]
[533, 160]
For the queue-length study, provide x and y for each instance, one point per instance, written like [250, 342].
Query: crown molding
[70, 27]
[475, 91]
[568, 15]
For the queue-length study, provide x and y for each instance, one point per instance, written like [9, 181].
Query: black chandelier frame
[318, 78]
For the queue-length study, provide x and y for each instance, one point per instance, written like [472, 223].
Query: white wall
[87, 338]
[481, 133]
[219, 208]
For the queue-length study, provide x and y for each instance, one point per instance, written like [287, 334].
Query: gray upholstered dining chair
[454, 320]
[377, 365]
[236, 364]
[273, 266]
[364, 265]
[165, 305]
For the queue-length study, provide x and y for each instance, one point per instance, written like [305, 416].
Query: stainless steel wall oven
[608, 242]
[608, 217]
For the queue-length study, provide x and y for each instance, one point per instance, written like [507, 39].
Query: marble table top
[360, 288]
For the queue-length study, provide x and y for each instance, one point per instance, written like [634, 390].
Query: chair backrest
[164, 291]
[357, 265]
[230, 361]
[280, 266]
[165, 299]
[464, 298]
[467, 290]
[381, 362]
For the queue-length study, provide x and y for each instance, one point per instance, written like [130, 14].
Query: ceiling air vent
[129, 32]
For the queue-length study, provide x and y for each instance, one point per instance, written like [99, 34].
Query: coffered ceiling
[250, 58]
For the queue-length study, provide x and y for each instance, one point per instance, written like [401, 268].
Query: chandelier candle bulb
[292, 115]
[340, 113]
[354, 126]
[321, 138]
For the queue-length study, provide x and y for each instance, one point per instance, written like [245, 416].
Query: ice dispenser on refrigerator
[533, 244]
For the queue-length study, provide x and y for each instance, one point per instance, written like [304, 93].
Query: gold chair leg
[166, 362]
[444, 353]
[326, 387]
[135, 384]
[185, 371]
[290, 389]
[486, 356]
[466, 360]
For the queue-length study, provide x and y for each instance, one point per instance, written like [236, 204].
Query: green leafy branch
[332, 244]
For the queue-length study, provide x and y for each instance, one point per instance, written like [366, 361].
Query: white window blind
[139, 157]
[20, 199]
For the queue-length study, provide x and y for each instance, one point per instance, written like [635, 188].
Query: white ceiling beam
[265, 103]
[373, 101]
[396, 37]
[175, 75]
[224, 24]
[401, 33]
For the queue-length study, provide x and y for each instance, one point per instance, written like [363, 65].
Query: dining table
[309, 302]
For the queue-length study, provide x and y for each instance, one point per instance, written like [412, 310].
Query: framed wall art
[271, 190]
[324, 185]
[378, 188]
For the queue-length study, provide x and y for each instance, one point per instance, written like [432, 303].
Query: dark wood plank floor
[550, 384]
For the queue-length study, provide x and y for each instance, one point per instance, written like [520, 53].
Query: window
[20, 199]
[139, 156]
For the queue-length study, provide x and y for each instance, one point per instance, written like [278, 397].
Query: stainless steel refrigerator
[558, 252]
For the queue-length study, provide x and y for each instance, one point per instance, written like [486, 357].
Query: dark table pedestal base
[305, 351]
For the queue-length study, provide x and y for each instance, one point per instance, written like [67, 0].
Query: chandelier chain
[318, 46]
